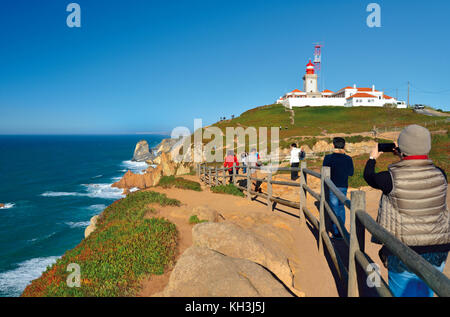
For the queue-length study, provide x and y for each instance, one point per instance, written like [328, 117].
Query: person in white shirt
[295, 160]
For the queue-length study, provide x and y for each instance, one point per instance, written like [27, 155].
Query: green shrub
[118, 254]
[229, 189]
[194, 220]
[179, 182]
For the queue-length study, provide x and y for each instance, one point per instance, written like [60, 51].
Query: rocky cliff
[142, 152]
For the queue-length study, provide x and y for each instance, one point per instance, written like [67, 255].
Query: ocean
[51, 186]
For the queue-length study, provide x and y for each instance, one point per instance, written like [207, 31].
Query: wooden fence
[360, 265]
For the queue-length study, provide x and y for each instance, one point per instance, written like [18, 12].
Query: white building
[345, 97]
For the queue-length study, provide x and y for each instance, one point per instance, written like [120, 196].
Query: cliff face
[151, 177]
[142, 152]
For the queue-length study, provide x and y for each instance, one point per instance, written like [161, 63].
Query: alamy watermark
[374, 18]
[191, 147]
[373, 278]
[74, 278]
[74, 18]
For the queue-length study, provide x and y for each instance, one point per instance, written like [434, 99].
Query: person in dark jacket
[413, 208]
[341, 166]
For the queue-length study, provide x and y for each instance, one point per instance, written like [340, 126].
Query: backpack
[301, 155]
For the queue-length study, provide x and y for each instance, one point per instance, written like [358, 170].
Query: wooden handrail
[360, 221]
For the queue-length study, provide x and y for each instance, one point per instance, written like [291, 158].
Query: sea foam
[104, 191]
[13, 282]
[81, 224]
[8, 206]
[135, 167]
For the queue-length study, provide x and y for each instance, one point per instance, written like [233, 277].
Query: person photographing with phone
[412, 207]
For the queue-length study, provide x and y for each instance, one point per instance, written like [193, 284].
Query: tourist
[244, 162]
[341, 167]
[296, 155]
[231, 160]
[413, 208]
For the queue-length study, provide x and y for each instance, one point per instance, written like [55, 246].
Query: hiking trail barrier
[355, 276]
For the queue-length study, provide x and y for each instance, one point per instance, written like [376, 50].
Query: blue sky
[148, 66]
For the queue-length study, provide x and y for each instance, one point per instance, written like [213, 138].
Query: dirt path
[283, 226]
[313, 272]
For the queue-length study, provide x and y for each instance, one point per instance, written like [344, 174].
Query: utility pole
[408, 94]
[396, 93]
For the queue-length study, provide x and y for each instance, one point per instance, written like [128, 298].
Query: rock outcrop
[150, 178]
[2, 205]
[231, 240]
[202, 272]
[205, 213]
[142, 152]
[92, 226]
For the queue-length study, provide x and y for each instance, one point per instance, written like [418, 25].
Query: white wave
[98, 176]
[8, 206]
[97, 208]
[13, 282]
[61, 194]
[134, 189]
[103, 191]
[115, 179]
[81, 224]
[135, 167]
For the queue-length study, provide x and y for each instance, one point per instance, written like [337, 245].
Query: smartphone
[386, 147]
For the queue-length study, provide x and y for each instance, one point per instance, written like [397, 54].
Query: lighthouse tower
[310, 81]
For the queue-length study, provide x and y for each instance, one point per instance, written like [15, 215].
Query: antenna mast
[318, 60]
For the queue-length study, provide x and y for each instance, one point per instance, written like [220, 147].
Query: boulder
[230, 239]
[92, 226]
[141, 152]
[201, 272]
[205, 213]
[2, 205]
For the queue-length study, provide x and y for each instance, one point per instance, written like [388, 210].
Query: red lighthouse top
[310, 68]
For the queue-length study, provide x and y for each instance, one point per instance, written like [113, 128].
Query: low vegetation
[118, 254]
[179, 182]
[229, 189]
[194, 220]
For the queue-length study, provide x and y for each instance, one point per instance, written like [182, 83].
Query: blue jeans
[404, 283]
[338, 208]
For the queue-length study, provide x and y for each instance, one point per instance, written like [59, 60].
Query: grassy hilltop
[314, 121]
[311, 123]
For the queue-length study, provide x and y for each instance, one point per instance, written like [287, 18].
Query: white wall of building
[313, 102]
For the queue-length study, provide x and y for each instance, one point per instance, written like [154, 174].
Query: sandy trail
[314, 273]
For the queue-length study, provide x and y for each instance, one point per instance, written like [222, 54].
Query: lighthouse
[310, 81]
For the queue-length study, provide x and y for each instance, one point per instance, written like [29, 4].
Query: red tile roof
[326, 90]
[361, 95]
[365, 89]
[387, 97]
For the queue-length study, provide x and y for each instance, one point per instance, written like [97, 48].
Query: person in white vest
[413, 208]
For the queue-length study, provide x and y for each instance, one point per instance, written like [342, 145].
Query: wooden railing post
[249, 185]
[198, 170]
[302, 194]
[325, 173]
[216, 177]
[209, 177]
[234, 174]
[269, 190]
[358, 202]
[224, 180]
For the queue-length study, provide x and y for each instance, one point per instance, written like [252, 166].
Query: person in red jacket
[231, 159]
